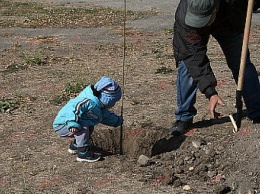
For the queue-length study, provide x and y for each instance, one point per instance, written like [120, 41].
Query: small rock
[191, 168]
[179, 170]
[196, 144]
[186, 188]
[211, 174]
[187, 158]
[221, 148]
[167, 178]
[207, 151]
[179, 162]
[143, 161]
[197, 155]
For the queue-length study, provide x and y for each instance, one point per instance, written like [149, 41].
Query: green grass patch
[13, 67]
[27, 191]
[33, 60]
[8, 105]
[71, 90]
[164, 70]
[15, 102]
[135, 102]
[28, 60]
[75, 88]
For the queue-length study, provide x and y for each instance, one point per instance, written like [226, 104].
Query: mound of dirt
[229, 164]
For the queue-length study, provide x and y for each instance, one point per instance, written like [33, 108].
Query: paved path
[164, 20]
[165, 8]
[162, 6]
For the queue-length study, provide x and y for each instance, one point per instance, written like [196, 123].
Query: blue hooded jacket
[85, 107]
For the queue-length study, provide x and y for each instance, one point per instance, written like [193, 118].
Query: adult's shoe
[256, 120]
[179, 127]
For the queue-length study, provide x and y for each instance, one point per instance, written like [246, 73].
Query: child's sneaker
[73, 148]
[87, 156]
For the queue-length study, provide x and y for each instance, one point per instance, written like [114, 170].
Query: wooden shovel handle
[245, 45]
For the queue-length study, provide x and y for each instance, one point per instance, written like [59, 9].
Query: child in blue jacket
[79, 116]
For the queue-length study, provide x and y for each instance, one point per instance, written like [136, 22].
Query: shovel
[239, 103]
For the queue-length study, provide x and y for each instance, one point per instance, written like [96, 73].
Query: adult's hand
[213, 102]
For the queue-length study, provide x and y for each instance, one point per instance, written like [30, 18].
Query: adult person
[195, 21]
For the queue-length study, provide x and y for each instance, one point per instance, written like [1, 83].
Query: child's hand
[73, 130]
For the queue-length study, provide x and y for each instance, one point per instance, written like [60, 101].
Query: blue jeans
[231, 46]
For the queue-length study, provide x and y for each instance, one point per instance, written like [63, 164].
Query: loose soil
[42, 66]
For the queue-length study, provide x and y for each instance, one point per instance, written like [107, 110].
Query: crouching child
[79, 116]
